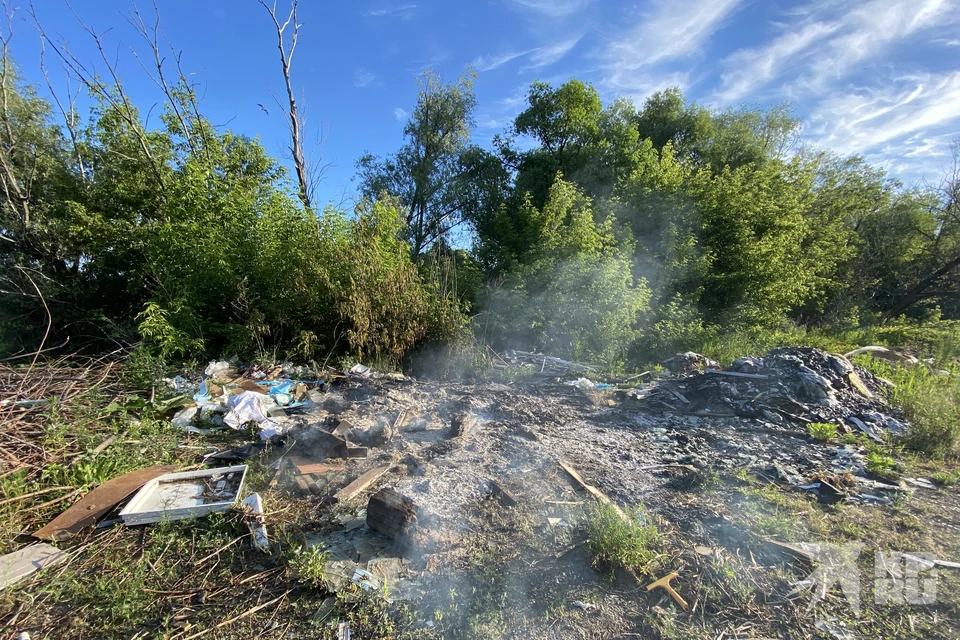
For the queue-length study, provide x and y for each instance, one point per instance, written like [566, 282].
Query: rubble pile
[795, 385]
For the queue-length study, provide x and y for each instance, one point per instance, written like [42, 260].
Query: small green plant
[309, 565]
[624, 539]
[881, 464]
[822, 431]
[945, 478]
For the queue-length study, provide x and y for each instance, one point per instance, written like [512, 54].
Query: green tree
[435, 173]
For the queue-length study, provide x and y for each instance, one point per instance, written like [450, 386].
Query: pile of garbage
[795, 385]
[230, 396]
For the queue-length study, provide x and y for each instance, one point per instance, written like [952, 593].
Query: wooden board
[21, 563]
[307, 466]
[97, 503]
[596, 493]
[361, 483]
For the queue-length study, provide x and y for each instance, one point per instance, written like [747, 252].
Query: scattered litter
[359, 371]
[343, 631]
[217, 369]
[365, 580]
[835, 629]
[248, 407]
[257, 522]
[585, 606]
[188, 494]
[923, 483]
[247, 451]
[16, 566]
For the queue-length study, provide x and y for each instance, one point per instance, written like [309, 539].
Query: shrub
[930, 403]
[627, 542]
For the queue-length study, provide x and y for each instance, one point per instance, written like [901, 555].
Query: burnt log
[391, 514]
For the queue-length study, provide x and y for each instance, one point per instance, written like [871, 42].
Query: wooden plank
[305, 466]
[21, 563]
[502, 494]
[97, 503]
[361, 483]
[357, 452]
[596, 493]
[277, 473]
[336, 447]
[305, 484]
[390, 513]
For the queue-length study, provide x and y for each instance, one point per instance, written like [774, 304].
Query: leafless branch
[300, 162]
[116, 97]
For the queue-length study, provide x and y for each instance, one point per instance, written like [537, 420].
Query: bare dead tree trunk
[16, 190]
[180, 96]
[300, 162]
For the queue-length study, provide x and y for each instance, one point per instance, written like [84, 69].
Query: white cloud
[670, 31]
[539, 57]
[552, 53]
[551, 8]
[363, 78]
[749, 69]
[867, 31]
[400, 114]
[489, 62]
[403, 12]
[914, 117]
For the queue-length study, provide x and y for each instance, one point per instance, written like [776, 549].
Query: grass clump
[822, 431]
[930, 403]
[624, 539]
[946, 478]
[309, 565]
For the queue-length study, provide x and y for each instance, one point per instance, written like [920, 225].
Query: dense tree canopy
[592, 231]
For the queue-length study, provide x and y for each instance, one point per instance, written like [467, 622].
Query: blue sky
[879, 78]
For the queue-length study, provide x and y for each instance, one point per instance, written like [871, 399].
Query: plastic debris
[365, 580]
[249, 407]
[257, 522]
[359, 371]
[216, 369]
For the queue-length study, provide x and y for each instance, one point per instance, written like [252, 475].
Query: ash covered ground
[720, 462]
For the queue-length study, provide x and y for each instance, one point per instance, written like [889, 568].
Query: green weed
[822, 431]
[626, 541]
